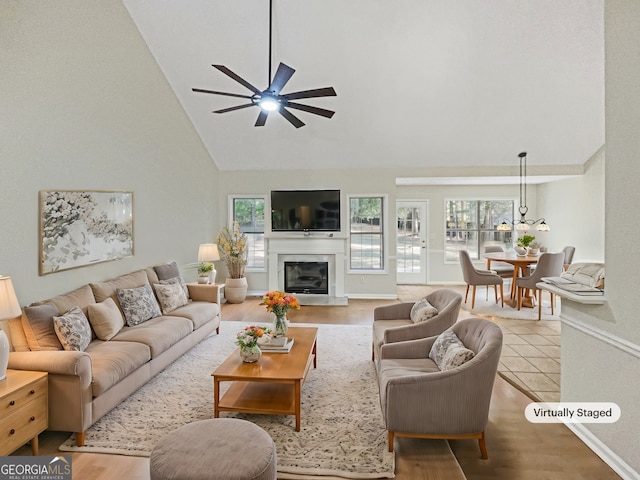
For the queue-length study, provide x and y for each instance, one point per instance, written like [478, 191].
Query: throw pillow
[167, 271]
[37, 322]
[448, 351]
[171, 296]
[105, 318]
[138, 304]
[73, 330]
[177, 280]
[422, 310]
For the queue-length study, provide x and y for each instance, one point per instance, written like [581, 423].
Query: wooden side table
[23, 409]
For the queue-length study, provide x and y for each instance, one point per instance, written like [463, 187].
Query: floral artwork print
[79, 228]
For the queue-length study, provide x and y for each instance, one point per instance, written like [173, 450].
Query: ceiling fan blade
[201, 90]
[316, 92]
[295, 121]
[315, 110]
[237, 78]
[238, 107]
[280, 79]
[262, 118]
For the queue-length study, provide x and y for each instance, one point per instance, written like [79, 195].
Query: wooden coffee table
[272, 384]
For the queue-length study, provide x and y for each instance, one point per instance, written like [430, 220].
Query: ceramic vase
[250, 354]
[235, 289]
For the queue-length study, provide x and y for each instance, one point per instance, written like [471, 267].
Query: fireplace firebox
[306, 277]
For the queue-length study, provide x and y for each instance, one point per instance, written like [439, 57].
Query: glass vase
[280, 325]
[250, 354]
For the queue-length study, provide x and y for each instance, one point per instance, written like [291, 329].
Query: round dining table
[520, 265]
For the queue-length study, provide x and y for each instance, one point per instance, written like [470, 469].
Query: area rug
[342, 431]
[489, 308]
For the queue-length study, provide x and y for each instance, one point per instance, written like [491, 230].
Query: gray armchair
[549, 265]
[392, 323]
[474, 277]
[419, 400]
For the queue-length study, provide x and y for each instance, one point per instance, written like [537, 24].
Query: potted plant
[232, 244]
[523, 243]
[204, 270]
[534, 248]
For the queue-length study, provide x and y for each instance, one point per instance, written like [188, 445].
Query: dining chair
[474, 277]
[549, 265]
[504, 269]
[568, 255]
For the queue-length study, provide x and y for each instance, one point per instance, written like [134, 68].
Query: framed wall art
[80, 228]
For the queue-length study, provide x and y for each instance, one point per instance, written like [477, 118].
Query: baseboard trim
[607, 455]
[372, 296]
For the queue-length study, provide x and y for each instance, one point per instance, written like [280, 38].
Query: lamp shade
[9, 306]
[208, 252]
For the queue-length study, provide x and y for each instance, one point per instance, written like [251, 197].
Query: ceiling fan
[271, 99]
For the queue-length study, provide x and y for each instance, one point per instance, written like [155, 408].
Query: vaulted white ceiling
[420, 83]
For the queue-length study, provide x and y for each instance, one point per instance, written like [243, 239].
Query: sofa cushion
[80, 297]
[103, 290]
[170, 296]
[158, 333]
[198, 312]
[18, 338]
[37, 322]
[73, 330]
[448, 351]
[422, 310]
[177, 280]
[106, 319]
[167, 271]
[138, 304]
[113, 361]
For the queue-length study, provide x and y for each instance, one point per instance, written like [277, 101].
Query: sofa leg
[391, 441]
[80, 438]
[373, 352]
[483, 447]
[218, 331]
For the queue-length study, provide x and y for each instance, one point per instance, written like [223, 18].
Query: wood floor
[517, 449]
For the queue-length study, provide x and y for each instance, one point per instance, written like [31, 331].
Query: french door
[411, 242]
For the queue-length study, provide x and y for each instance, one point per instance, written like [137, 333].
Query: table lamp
[9, 308]
[208, 253]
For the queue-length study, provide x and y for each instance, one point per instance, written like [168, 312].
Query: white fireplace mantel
[331, 250]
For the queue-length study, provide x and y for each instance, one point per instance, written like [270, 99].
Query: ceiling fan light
[269, 104]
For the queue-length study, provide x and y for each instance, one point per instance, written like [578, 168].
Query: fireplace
[306, 277]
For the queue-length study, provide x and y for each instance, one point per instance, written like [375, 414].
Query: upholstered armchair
[392, 323]
[419, 400]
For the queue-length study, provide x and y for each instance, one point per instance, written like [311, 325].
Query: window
[366, 232]
[471, 224]
[249, 213]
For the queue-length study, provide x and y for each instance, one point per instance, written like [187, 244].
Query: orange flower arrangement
[279, 302]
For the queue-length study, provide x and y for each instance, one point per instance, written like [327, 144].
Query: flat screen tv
[305, 210]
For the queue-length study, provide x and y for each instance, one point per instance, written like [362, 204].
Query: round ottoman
[221, 448]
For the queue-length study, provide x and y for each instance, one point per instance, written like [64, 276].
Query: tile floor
[530, 357]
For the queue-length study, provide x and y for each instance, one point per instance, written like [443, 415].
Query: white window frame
[384, 234]
[230, 204]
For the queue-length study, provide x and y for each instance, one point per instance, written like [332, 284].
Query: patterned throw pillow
[176, 280]
[449, 352]
[138, 304]
[171, 296]
[73, 330]
[422, 310]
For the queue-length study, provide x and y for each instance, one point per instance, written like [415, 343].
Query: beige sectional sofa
[123, 351]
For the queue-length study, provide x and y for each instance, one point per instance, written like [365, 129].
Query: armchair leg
[80, 436]
[473, 298]
[483, 447]
[540, 305]
[501, 295]
[391, 436]
[466, 295]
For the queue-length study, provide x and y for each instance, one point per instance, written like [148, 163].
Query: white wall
[601, 345]
[85, 106]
